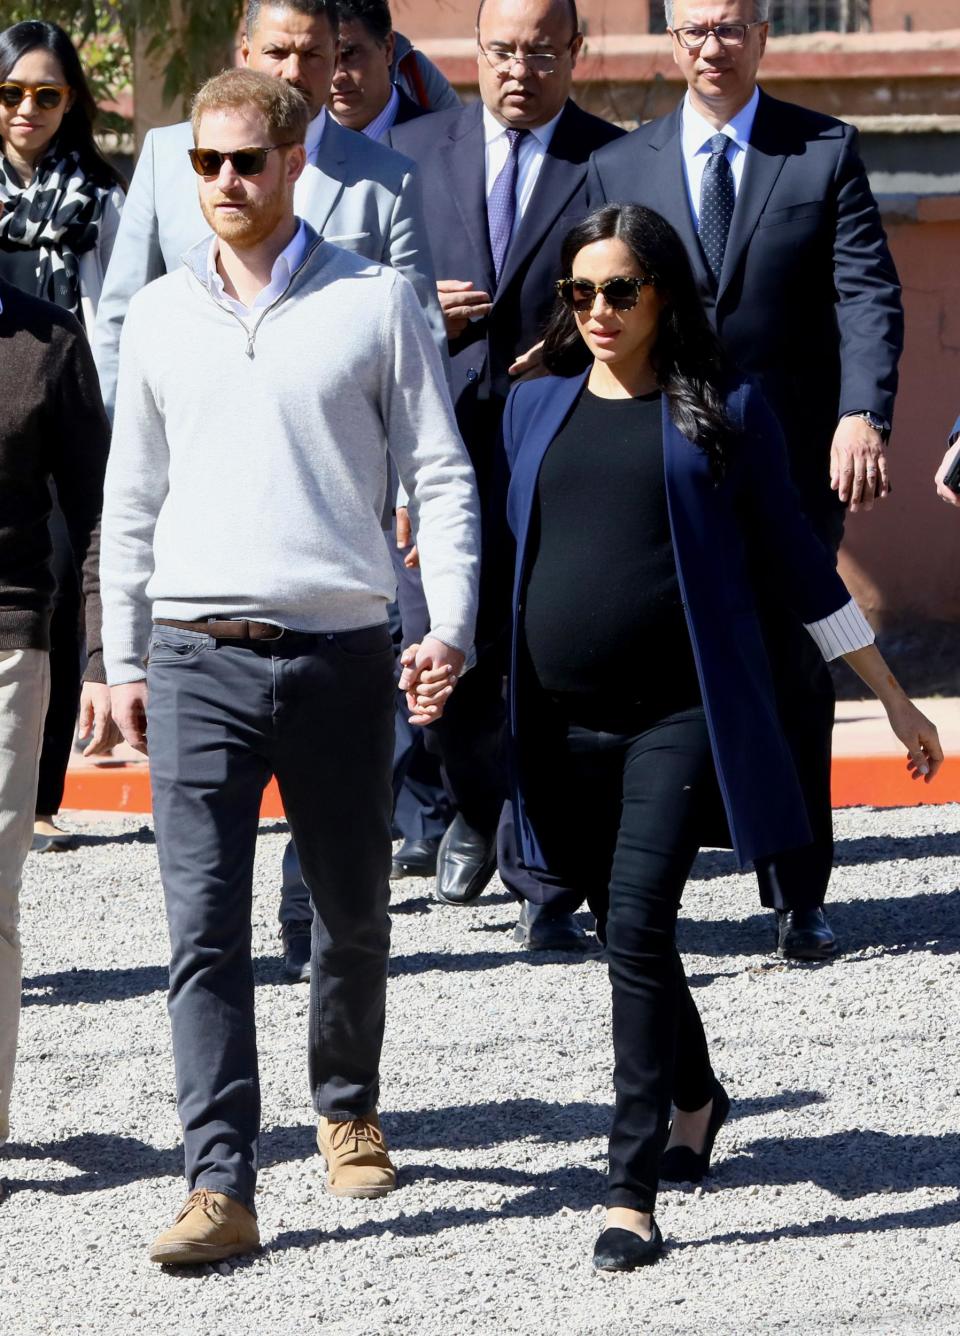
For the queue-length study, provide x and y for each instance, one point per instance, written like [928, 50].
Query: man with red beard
[262, 389]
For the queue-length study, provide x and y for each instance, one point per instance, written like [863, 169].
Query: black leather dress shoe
[296, 950]
[622, 1250]
[804, 934]
[684, 1165]
[415, 858]
[466, 860]
[541, 928]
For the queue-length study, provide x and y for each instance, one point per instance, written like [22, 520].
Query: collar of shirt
[315, 133]
[695, 145]
[284, 267]
[379, 126]
[533, 150]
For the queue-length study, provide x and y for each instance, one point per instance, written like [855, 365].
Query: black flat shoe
[683, 1165]
[622, 1250]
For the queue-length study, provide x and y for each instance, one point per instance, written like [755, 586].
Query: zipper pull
[250, 337]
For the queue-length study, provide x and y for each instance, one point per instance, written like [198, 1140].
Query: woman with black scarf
[61, 203]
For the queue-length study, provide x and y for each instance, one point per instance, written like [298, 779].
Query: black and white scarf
[57, 215]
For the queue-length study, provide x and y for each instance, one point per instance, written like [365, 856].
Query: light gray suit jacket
[356, 193]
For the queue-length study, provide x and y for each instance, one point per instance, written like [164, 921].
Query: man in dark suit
[363, 97]
[793, 267]
[504, 178]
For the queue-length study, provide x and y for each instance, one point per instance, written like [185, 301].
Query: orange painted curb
[858, 781]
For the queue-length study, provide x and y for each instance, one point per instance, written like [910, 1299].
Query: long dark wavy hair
[76, 128]
[688, 361]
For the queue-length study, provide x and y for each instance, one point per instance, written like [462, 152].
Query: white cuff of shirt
[842, 632]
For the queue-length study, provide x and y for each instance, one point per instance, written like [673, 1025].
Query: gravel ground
[835, 1201]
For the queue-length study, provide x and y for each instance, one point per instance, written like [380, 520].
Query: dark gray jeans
[317, 712]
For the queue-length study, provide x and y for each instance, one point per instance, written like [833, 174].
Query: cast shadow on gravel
[144, 835]
[897, 925]
[713, 863]
[850, 1165]
[68, 987]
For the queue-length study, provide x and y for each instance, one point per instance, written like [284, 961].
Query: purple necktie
[502, 203]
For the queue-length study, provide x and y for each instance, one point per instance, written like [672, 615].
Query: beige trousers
[24, 691]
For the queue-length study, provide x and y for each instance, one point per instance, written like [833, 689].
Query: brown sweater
[52, 426]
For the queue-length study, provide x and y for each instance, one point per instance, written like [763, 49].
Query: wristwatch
[872, 420]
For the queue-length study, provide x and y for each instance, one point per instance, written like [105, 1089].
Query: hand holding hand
[431, 670]
[460, 302]
[96, 720]
[858, 464]
[129, 705]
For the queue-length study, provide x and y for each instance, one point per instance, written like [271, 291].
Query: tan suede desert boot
[356, 1154]
[210, 1227]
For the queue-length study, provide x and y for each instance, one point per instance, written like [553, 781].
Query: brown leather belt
[227, 630]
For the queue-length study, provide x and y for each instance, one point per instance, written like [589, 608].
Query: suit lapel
[560, 175]
[763, 165]
[319, 189]
[552, 412]
[664, 189]
[465, 167]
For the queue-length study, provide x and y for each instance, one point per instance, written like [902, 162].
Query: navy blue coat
[712, 527]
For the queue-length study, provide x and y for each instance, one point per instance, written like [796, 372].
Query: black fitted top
[602, 612]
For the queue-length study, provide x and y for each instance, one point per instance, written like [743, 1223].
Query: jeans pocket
[167, 645]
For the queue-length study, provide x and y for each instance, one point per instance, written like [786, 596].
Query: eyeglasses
[245, 161]
[45, 96]
[727, 34]
[620, 294]
[537, 62]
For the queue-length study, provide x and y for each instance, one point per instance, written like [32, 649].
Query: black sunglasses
[245, 161]
[621, 294]
[45, 96]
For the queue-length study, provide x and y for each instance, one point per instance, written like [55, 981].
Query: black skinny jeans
[631, 793]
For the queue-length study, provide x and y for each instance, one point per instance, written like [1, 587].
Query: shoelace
[201, 1200]
[357, 1129]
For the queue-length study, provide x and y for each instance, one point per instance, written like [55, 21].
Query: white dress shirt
[533, 150]
[695, 145]
[284, 267]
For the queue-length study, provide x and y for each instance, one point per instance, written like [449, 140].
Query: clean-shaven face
[361, 81]
[714, 72]
[521, 95]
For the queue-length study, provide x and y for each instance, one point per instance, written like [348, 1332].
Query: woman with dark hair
[61, 203]
[647, 479]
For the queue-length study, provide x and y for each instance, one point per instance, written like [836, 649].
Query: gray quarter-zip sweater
[248, 468]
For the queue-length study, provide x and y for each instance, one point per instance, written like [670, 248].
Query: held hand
[529, 365]
[461, 302]
[858, 464]
[129, 705]
[919, 736]
[412, 560]
[404, 528]
[96, 720]
[943, 491]
[430, 673]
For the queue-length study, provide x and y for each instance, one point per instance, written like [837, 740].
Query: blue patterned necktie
[717, 198]
[502, 203]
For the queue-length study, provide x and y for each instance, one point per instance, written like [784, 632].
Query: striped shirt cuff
[842, 632]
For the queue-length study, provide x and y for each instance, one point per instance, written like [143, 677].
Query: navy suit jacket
[755, 507]
[808, 300]
[448, 148]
